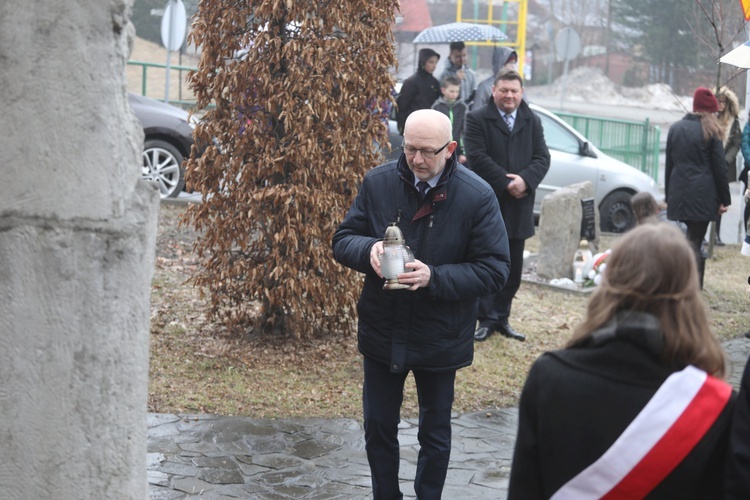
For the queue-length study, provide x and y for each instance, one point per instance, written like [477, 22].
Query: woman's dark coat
[458, 231]
[695, 177]
[576, 402]
[493, 151]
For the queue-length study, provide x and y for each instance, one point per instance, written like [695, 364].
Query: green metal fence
[635, 143]
[179, 94]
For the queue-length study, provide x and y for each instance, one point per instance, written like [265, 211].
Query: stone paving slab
[212, 457]
[239, 457]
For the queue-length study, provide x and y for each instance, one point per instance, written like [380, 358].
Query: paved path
[203, 456]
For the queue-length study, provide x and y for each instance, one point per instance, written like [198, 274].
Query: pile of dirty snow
[590, 85]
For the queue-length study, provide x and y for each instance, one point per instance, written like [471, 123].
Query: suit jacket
[493, 151]
[458, 231]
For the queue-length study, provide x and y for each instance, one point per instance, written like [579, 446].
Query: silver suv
[575, 159]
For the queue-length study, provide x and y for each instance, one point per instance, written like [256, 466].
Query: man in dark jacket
[505, 145]
[420, 90]
[456, 233]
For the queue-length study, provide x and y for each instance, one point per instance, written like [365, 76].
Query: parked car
[168, 138]
[574, 159]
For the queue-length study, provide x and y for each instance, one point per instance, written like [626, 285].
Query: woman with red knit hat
[695, 177]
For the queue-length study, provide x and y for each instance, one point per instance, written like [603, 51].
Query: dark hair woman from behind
[695, 174]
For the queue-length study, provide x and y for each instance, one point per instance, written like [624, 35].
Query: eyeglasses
[426, 153]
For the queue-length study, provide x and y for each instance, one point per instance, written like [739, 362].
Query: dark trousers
[382, 395]
[696, 231]
[495, 309]
[718, 229]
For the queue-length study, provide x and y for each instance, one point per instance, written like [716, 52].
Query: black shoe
[505, 329]
[718, 242]
[482, 333]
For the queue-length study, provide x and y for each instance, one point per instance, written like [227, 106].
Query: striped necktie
[509, 120]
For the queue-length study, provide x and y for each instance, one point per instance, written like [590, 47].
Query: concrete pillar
[77, 236]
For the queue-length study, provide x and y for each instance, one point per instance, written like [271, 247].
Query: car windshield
[557, 137]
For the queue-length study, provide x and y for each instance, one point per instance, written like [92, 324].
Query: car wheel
[616, 213]
[162, 163]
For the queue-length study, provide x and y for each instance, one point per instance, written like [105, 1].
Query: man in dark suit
[451, 221]
[505, 145]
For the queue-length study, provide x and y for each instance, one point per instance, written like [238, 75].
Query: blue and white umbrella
[739, 57]
[460, 32]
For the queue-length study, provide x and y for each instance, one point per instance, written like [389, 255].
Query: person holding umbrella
[457, 67]
[457, 34]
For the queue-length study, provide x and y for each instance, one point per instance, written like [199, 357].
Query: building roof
[414, 16]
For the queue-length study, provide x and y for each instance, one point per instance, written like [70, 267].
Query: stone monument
[560, 230]
[77, 237]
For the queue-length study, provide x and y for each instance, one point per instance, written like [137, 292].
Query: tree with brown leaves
[297, 94]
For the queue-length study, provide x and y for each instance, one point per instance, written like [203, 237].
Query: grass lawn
[197, 368]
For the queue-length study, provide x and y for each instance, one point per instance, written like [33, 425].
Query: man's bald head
[427, 143]
[432, 122]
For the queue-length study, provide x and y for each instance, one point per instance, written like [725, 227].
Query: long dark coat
[695, 176]
[578, 401]
[419, 91]
[492, 151]
[458, 231]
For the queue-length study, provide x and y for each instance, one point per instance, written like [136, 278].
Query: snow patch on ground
[590, 85]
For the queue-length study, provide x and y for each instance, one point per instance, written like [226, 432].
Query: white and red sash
[675, 419]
